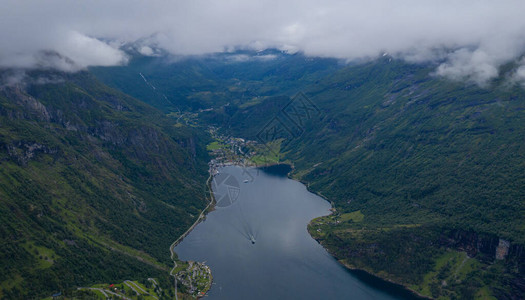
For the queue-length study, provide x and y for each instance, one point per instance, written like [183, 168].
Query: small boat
[246, 181]
[252, 239]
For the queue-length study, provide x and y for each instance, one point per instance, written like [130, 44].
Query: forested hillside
[415, 165]
[407, 116]
[427, 175]
[94, 185]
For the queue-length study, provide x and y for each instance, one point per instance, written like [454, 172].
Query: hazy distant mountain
[211, 81]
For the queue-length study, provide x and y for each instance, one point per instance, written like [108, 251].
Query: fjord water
[284, 262]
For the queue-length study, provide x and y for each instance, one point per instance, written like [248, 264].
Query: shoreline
[354, 270]
[369, 273]
[307, 185]
[201, 217]
[347, 266]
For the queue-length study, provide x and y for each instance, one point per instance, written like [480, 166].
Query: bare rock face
[30, 108]
[23, 152]
[503, 249]
[476, 245]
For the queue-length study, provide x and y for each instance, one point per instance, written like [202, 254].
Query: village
[228, 150]
[194, 279]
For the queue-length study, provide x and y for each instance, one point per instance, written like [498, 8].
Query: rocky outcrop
[23, 152]
[144, 143]
[489, 248]
[481, 246]
[484, 247]
[28, 107]
[503, 249]
[190, 145]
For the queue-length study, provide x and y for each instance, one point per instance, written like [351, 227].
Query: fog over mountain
[470, 39]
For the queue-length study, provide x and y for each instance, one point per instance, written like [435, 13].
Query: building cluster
[196, 278]
[231, 151]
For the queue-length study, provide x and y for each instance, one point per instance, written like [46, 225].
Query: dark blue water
[284, 262]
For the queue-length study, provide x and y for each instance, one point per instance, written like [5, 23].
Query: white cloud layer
[471, 37]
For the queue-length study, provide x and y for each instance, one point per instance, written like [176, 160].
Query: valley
[262, 150]
[383, 131]
[403, 157]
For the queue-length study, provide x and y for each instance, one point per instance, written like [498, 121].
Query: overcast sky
[471, 38]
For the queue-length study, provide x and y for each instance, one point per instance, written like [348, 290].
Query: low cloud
[474, 66]
[245, 57]
[518, 75]
[146, 51]
[20, 77]
[470, 38]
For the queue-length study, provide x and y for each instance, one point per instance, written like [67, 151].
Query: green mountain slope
[94, 185]
[415, 165]
[427, 175]
[435, 150]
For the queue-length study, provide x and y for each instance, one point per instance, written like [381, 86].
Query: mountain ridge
[87, 174]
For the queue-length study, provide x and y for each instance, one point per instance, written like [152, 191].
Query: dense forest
[435, 167]
[94, 185]
[425, 174]
[432, 165]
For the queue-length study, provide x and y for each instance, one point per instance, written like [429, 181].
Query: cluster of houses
[233, 151]
[196, 278]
